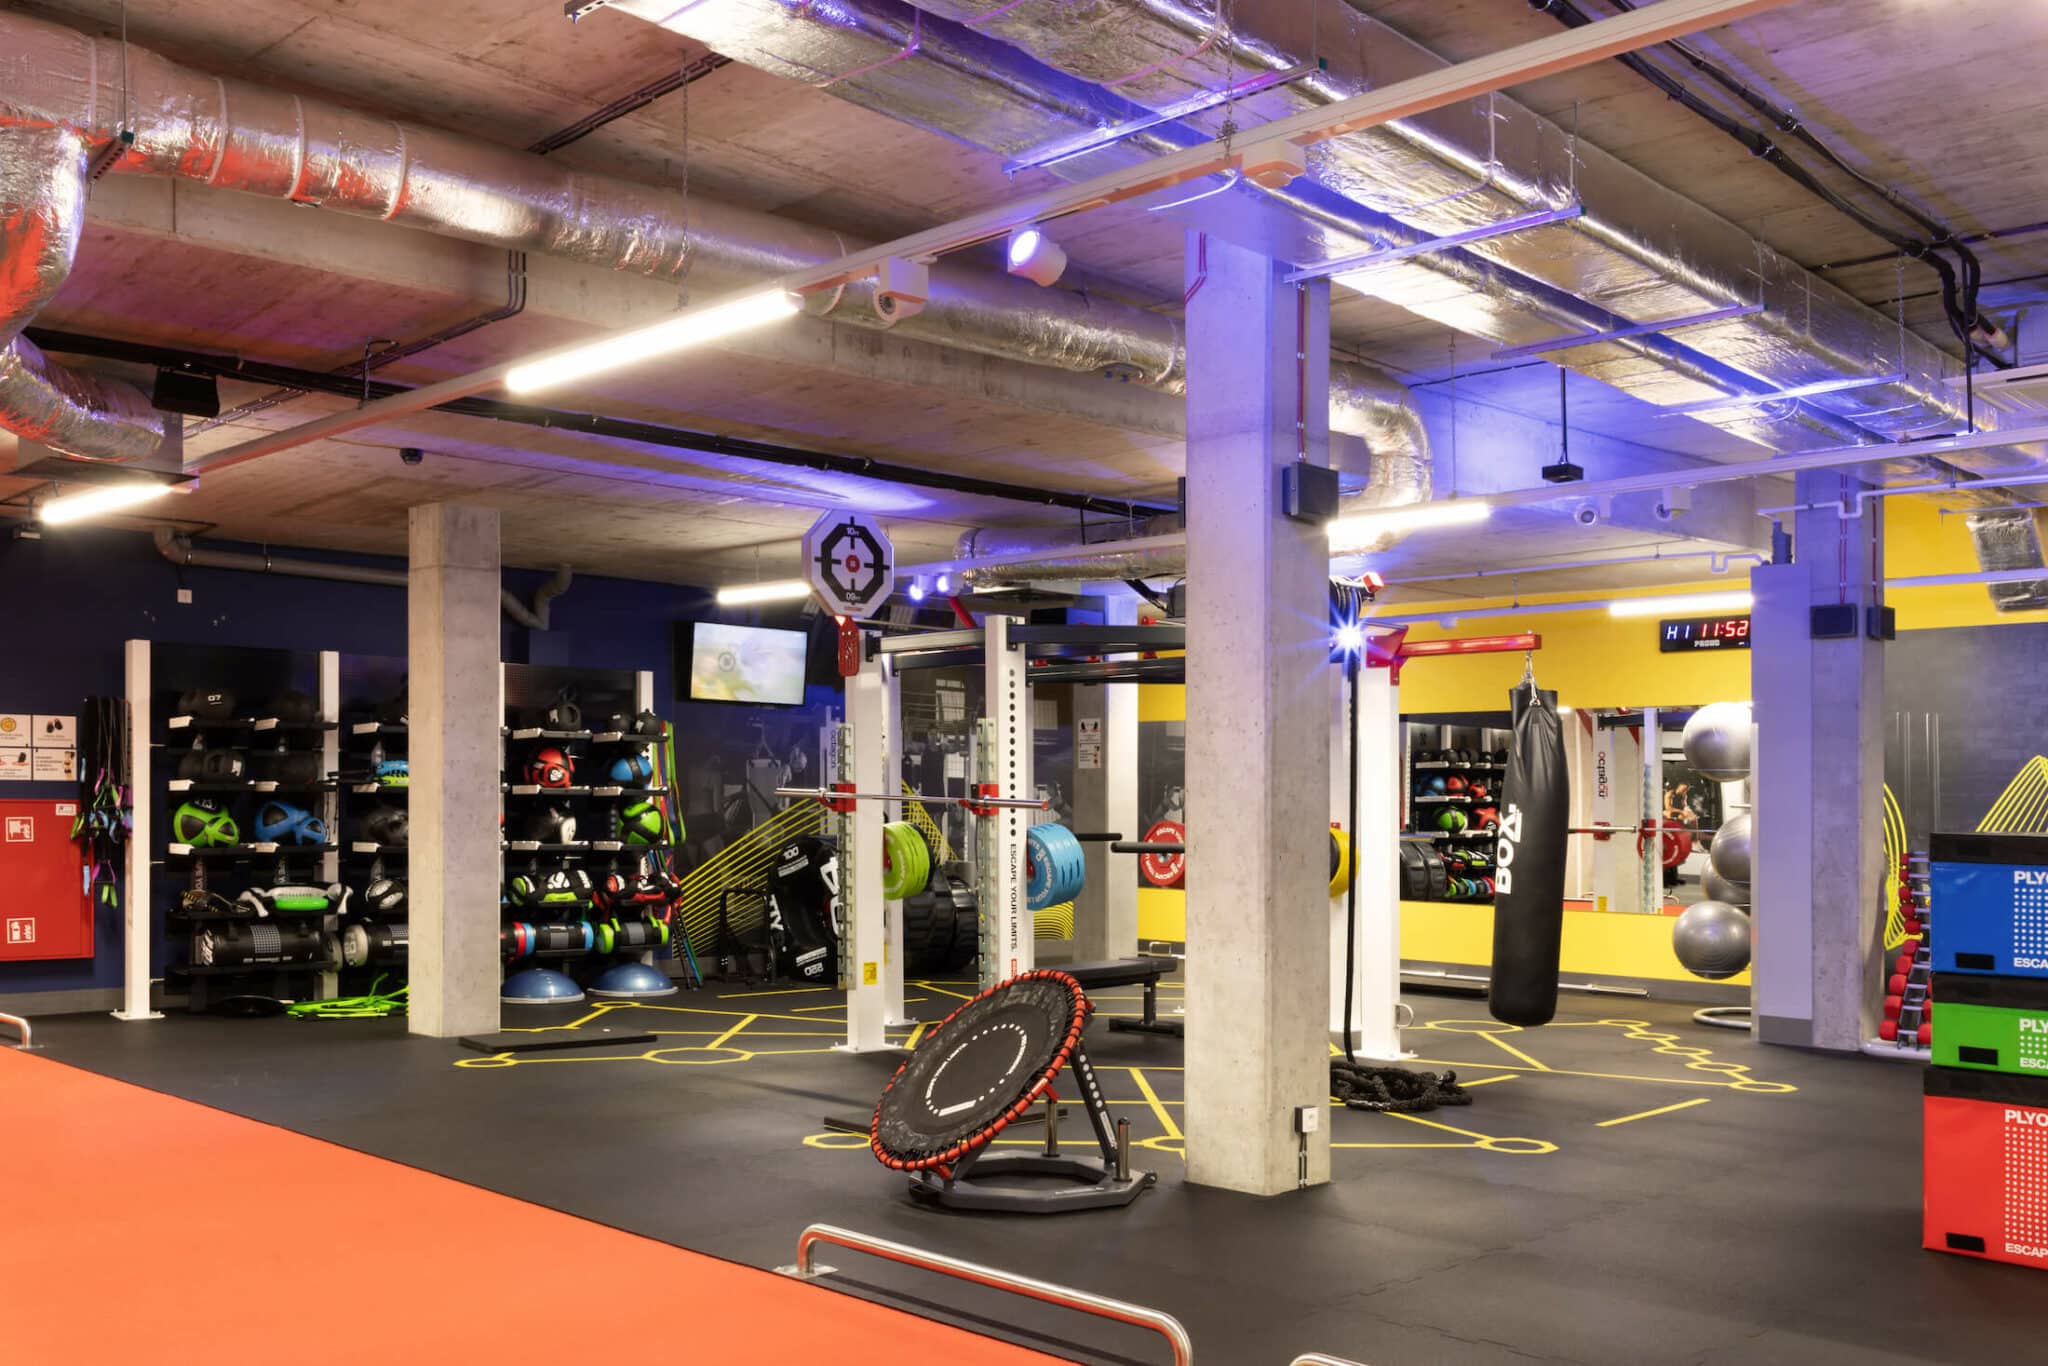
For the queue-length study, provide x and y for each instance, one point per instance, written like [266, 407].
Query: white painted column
[893, 1013]
[135, 881]
[860, 864]
[453, 718]
[1258, 740]
[1106, 800]
[1376, 847]
[1817, 883]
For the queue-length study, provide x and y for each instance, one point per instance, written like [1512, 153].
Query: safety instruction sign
[53, 765]
[15, 728]
[14, 762]
[1088, 742]
[53, 732]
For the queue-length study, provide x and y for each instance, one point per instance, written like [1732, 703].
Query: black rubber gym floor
[1627, 1187]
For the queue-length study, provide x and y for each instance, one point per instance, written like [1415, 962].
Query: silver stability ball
[1717, 741]
[1719, 888]
[1730, 852]
[1711, 940]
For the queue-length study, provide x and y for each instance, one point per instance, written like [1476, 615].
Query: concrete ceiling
[217, 272]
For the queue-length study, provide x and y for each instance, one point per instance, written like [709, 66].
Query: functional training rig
[979, 1071]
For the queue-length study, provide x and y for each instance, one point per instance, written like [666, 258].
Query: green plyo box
[1991, 1024]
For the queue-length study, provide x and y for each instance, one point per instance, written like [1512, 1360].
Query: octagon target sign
[849, 563]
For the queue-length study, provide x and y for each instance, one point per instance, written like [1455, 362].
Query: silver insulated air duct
[235, 135]
[1021, 77]
[42, 210]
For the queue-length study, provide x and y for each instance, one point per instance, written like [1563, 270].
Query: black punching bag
[1528, 877]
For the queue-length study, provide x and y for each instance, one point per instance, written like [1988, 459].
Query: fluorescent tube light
[94, 502]
[1683, 602]
[657, 339]
[776, 590]
[1355, 533]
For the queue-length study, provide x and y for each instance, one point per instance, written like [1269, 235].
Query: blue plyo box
[1988, 904]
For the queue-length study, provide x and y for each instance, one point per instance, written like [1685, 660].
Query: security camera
[902, 289]
[1585, 514]
[1672, 502]
[894, 308]
[411, 455]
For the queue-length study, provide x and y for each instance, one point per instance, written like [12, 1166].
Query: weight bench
[1124, 972]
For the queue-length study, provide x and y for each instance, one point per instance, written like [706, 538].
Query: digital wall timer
[1704, 633]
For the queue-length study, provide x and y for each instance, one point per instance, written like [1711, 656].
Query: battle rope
[1393, 1090]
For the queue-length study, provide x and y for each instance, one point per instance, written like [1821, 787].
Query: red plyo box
[44, 909]
[1985, 1165]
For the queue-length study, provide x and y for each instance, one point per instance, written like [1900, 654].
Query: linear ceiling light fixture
[1682, 602]
[98, 501]
[657, 339]
[1355, 533]
[775, 590]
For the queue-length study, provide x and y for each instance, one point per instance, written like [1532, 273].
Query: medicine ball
[394, 773]
[549, 766]
[386, 825]
[632, 770]
[283, 823]
[551, 825]
[563, 713]
[208, 704]
[1486, 818]
[292, 705]
[293, 768]
[385, 896]
[1454, 784]
[204, 824]
[1476, 791]
[1451, 821]
[641, 822]
[1439, 785]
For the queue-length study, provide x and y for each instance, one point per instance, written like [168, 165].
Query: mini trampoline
[980, 1070]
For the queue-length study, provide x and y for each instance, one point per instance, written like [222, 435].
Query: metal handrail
[1087, 1302]
[19, 1024]
[1319, 1359]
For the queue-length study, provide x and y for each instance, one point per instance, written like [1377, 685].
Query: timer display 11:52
[1704, 633]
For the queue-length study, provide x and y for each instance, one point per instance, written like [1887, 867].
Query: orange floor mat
[134, 1227]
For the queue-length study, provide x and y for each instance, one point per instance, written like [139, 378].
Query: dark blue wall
[73, 598]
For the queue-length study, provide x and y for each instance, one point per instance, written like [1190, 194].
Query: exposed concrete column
[1106, 798]
[452, 599]
[1818, 877]
[1258, 738]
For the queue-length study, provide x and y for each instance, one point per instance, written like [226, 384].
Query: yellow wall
[1592, 658]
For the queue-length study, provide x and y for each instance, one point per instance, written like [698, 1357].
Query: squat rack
[867, 778]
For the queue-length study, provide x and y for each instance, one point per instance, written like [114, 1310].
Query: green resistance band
[373, 1005]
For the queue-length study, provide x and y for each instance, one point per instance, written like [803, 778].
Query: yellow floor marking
[1159, 1110]
[943, 992]
[831, 1005]
[786, 991]
[1738, 1084]
[917, 1033]
[1496, 1040]
[1434, 1124]
[1648, 1114]
[1488, 1081]
[720, 1040]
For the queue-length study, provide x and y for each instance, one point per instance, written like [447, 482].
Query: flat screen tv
[749, 664]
